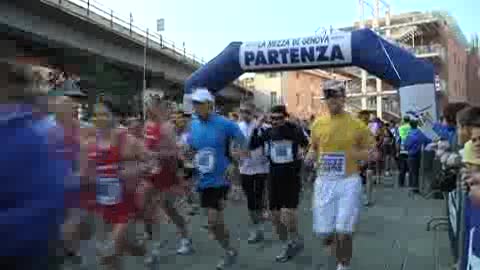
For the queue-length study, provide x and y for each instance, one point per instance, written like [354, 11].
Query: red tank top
[153, 135]
[166, 174]
[109, 187]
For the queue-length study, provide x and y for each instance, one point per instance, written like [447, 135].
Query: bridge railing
[95, 11]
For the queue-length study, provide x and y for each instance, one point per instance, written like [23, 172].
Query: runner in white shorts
[338, 142]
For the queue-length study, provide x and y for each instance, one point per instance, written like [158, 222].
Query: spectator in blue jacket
[413, 145]
[31, 205]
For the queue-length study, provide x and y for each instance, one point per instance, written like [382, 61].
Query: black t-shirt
[282, 144]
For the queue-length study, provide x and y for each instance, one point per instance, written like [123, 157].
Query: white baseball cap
[202, 95]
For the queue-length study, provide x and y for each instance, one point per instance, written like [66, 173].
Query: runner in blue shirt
[209, 139]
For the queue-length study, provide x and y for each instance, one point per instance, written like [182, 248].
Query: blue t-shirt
[31, 205]
[210, 140]
[415, 140]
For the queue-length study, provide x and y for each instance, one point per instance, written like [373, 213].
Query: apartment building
[433, 36]
[473, 75]
[300, 91]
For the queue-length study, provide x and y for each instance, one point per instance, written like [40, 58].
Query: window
[271, 75]
[455, 58]
[297, 75]
[273, 98]
[312, 99]
[298, 99]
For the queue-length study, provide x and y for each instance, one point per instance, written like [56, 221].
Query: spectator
[447, 130]
[413, 145]
[32, 200]
[403, 132]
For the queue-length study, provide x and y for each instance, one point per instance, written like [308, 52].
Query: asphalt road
[391, 235]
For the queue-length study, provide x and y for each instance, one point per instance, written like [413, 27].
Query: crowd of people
[60, 173]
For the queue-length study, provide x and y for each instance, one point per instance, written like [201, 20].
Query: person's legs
[348, 210]
[324, 216]
[403, 167]
[166, 203]
[370, 178]
[253, 187]
[414, 171]
[214, 199]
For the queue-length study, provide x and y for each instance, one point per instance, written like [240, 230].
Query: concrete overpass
[81, 28]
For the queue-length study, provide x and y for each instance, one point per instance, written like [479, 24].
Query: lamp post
[145, 74]
[161, 28]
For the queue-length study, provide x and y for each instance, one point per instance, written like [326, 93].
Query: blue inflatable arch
[362, 48]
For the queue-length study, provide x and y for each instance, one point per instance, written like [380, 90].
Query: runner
[160, 140]
[111, 194]
[339, 141]
[209, 141]
[283, 143]
[185, 166]
[253, 174]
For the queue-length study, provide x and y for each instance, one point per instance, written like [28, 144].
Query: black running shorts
[214, 197]
[284, 188]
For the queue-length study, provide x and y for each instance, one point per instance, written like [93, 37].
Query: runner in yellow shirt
[338, 143]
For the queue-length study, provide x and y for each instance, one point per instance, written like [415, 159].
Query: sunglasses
[277, 118]
[330, 93]
[244, 111]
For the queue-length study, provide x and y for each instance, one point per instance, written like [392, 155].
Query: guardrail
[96, 12]
[104, 16]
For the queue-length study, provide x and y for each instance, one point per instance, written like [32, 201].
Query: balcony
[427, 51]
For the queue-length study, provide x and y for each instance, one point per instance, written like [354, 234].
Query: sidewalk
[391, 236]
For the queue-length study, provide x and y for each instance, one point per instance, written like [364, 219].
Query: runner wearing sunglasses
[282, 143]
[338, 142]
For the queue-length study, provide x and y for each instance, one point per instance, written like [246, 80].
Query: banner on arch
[328, 49]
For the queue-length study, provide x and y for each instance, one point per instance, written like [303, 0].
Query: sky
[208, 26]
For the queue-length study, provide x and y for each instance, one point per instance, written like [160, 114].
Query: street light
[161, 28]
[145, 74]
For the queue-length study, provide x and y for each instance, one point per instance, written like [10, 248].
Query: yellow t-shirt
[469, 154]
[341, 134]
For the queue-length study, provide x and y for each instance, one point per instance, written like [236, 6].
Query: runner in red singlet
[111, 184]
[160, 141]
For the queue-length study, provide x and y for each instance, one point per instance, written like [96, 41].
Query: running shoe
[185, 247]
[289, 250]
[153, 257]
[343, 267]
[255, 236]
[228, 260]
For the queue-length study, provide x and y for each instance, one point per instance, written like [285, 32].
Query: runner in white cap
[210, 136]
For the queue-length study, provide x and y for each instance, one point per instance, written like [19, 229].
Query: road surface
[391, 235]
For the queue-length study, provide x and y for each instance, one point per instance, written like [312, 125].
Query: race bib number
[332, 165]
[109, 191]
[281, 152]
[205, 161]
[257, 153]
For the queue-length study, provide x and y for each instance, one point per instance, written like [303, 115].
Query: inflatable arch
[362, 48]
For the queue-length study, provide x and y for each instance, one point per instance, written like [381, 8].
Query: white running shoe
[343, 267]
[185, 247]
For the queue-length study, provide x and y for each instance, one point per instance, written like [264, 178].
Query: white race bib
[281, 152]
[205, 161]
[109, 191]
[257, 153]
[332, 165]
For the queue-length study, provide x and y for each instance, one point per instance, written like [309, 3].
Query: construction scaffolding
[418, 32]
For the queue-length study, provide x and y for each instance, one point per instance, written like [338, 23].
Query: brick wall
[303, 92]
[473, 78]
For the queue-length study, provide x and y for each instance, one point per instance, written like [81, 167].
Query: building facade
[300, 91]
[473, 76]
[433, 36]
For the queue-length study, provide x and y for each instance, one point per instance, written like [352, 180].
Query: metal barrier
[459, 212]
[103, 16]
